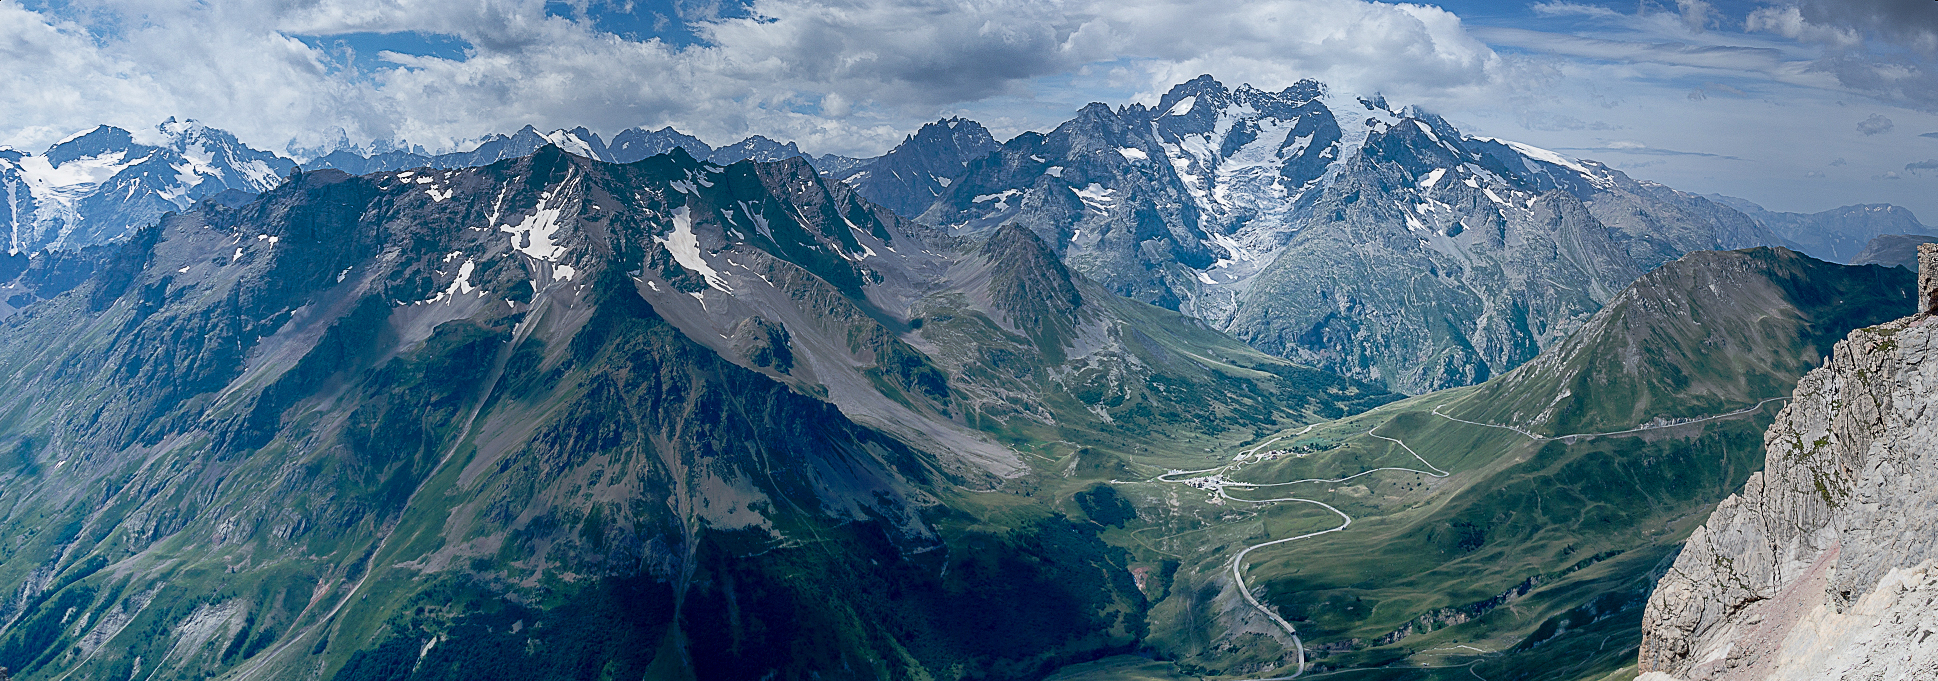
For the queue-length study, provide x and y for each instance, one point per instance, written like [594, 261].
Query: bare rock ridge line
[1825, 566]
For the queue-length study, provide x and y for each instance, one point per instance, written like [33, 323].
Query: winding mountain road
[1217, 483]
[1213, 480]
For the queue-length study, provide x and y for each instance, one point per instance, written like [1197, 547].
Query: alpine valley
[1243, 385]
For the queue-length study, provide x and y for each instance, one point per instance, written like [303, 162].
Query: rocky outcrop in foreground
[1825, 566]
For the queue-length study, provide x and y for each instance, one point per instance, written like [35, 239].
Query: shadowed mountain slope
[556, 418]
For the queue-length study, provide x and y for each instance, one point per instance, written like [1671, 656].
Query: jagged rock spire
[1927, 278]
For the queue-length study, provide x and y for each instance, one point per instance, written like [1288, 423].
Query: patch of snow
[944, 181]
[760, 224]
[463, 283]
[1096, 197]
[1001, 198]
[1133, 153]
[1432, 178]
[1539, 154]
[535, 235]
[259, 176]
[1183, 106]
[561, 273]
[1054, 171]
[199, 163]
[58, 191]
[570, 143]
[459, 286]
[70, 138]
[684, 246]
[866, 252]
[1429, 131]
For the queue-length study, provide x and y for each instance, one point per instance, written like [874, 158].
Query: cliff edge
[1825, 566]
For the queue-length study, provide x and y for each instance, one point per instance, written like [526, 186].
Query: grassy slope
[1539, 551]
[1714, 332]
[574, 551]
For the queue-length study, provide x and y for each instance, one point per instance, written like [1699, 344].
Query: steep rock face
[1158, 204]
[756, 148]
[1821, 567]
[1435, 260]
[909, 177]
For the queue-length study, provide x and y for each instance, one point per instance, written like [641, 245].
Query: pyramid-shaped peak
[1023, 260]
[103, 139]
[959, 131]
[1030, 286]
[1201, 85]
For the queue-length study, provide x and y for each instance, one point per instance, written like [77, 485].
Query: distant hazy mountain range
[1893, 250]
[1835, 235]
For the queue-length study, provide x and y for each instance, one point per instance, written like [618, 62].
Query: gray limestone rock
[1816, 561]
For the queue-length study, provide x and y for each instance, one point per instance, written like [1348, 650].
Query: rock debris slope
[1825, 566]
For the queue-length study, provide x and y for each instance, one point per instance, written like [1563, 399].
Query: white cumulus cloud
[847, 76]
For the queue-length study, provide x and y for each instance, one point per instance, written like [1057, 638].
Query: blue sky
[1796, 104]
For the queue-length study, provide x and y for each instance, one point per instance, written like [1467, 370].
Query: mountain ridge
[422, 405]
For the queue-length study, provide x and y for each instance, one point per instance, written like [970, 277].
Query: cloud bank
[845, 76]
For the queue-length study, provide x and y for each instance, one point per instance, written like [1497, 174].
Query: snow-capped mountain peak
[100, 184]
